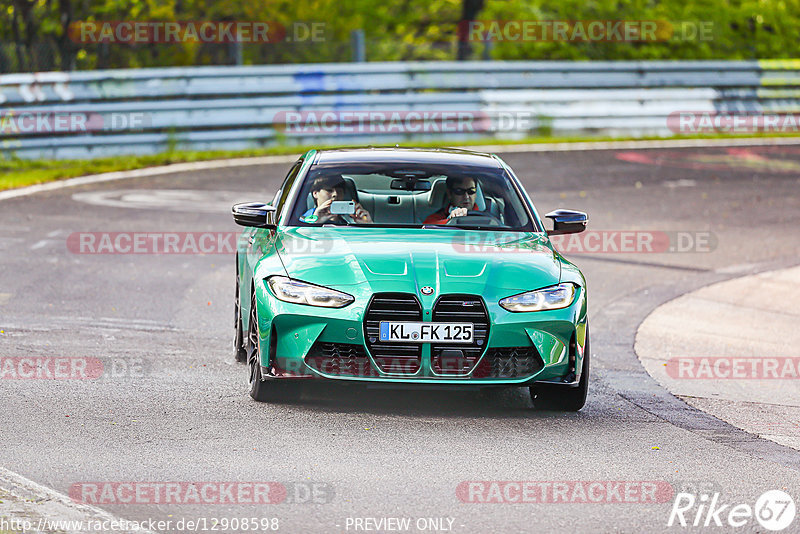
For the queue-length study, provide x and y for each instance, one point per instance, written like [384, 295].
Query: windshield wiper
[330, 224]
[470, 227]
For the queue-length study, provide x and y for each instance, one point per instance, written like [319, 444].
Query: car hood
[405, 260]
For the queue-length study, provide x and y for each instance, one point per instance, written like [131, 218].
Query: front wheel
[564, 399]
[270, 390]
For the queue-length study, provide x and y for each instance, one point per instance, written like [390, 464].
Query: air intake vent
[457, 358]
[391, 357]
[340, 359]
[509, 362]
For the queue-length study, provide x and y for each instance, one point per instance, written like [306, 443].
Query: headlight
[549, 298]
[298, 292]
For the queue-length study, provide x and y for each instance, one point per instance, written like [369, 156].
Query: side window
[287, 186]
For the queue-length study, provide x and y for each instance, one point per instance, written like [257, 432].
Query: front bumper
[305, 342]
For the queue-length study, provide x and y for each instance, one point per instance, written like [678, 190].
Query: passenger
[326, 190]
[461, 194]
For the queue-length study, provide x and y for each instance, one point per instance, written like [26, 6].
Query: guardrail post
[235, 52]
[357, 45]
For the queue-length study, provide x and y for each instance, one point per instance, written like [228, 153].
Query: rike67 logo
[774, 510]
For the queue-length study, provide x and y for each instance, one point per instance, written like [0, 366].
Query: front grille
[457, 358]
[391, 357]
[509, 362]
[340, 359]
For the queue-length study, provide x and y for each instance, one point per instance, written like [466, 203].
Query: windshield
[410, 195]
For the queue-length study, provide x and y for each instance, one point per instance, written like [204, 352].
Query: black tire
[239, 349]
[564, 399]
[270, 390]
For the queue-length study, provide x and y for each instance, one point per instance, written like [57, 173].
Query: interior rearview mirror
[410, 184]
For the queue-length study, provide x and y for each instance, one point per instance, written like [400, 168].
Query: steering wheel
[493, 220]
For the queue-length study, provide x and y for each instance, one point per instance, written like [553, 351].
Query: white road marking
[683, 182]
[107, 323]
[637, 145]
[191, 200]
[149, 171]
[738, 268]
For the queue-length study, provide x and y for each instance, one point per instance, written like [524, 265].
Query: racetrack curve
[186, 416]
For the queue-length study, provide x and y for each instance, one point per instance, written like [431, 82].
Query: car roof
[452, 156]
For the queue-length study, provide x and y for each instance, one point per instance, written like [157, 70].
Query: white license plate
[426, 332]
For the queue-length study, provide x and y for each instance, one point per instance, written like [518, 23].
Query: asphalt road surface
[172, 405]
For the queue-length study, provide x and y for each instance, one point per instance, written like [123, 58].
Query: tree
[469, 12]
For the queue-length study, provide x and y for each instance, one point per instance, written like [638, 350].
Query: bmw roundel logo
[427, 290]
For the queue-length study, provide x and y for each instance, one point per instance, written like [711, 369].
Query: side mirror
[254, 215]
[567, 222]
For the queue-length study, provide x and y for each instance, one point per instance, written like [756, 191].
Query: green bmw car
[409, 266]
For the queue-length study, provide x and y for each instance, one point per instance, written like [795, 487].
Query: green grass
[19, 173]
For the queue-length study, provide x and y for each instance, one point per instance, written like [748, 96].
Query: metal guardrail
[152, 110]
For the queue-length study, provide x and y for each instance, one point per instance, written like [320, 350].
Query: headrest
[438, 196]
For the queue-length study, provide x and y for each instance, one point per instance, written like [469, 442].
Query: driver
[461, 193]
[328, 189]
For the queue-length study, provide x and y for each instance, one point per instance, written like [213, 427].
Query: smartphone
[343, 207]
